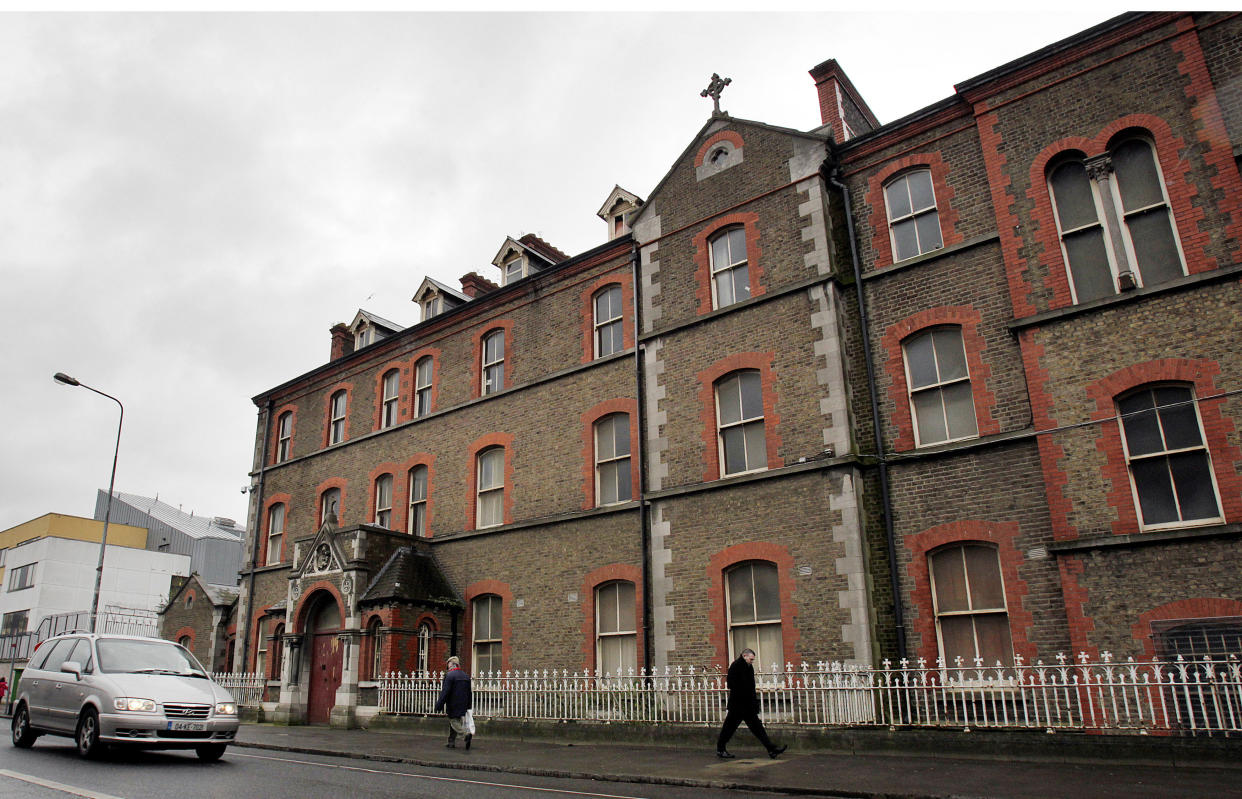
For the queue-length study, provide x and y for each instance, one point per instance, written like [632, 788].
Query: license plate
[195, 726]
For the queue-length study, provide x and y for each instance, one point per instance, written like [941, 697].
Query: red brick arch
[1189, 609]
[309, 598]
[760, 361]
[502, 590]
[721, 562]
[731, 136]
[614, 572]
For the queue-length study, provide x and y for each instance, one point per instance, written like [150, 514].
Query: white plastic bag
[467, 721]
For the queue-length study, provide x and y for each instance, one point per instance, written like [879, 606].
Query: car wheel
[88, 734]
[23, 736]
[210, 753]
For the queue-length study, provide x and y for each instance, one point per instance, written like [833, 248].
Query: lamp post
[61, 377]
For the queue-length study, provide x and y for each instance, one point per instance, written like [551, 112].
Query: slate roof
[221, 595]
[414, 577]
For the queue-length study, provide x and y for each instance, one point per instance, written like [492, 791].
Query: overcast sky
[188, 202]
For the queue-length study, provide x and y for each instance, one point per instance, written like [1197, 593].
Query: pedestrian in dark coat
[456, 699]
[744, 706]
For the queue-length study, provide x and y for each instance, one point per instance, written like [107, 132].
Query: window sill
[928, 257]
[1144, 539]
[1189, 281]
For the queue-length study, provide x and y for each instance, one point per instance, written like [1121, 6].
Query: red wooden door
[325, 677]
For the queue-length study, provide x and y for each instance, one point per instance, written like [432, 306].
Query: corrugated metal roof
[191, 524]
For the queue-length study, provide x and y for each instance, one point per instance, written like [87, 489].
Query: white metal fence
[246, 687]
[1196, 697]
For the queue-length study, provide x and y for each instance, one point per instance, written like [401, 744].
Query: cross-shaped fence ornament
[713, 90]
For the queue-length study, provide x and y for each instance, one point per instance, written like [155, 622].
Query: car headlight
[133, 704]
[226, 708]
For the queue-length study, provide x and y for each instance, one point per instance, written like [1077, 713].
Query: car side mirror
[72, 667]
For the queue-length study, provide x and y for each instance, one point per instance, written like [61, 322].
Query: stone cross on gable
[713, 90]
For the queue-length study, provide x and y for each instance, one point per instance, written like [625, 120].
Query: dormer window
[431, 307]
[363, 337]
[619, 203]
[514, 269]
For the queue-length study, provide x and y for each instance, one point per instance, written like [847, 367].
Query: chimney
[473, 284]
[838, 99]
[342, 341]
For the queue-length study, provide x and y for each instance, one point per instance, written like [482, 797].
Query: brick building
[955, 386]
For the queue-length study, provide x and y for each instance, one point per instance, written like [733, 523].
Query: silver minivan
[106, 690]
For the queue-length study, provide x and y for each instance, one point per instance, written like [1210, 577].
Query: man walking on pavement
[744, 706]
[456, 700]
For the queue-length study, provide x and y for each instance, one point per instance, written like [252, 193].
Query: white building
[49, 576]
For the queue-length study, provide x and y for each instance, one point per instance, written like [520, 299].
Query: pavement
[805, 771]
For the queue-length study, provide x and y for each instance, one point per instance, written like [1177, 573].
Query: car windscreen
[146, 657]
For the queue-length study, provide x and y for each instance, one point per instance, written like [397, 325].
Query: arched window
[275, 533]
[1114, 220]
[753, 597]
[260, 654]
[941, 400]
[615, 628]
[612, 459]
[730, 273]
[493, 365]
[490, 502]
[417, 519]
[186, 642]
[330, 505]
[968, 597]
[284, 436]
[422, 386]
[608, 321]
[424, 648]
[388, 408]
[913, 222]
[1170, 467]
[377, 650]
[487, 634]
[383, 501]
[278, 650]
[739, 416]
[336, 417]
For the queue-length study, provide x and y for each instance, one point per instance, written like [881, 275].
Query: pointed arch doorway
[323, 625]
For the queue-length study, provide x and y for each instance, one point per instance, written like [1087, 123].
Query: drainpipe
[643, 523]
[899, 623]
[266, 415]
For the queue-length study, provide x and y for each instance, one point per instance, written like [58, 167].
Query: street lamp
[61, 377]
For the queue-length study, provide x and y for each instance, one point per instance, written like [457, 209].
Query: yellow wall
[59, 525]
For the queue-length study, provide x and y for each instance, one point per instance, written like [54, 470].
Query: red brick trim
[934, 162]
[187, 632]
[258, 634]
[962, 316]
[614, 572]
[1178, 179]
[505, 442]
[1008, 225]
[393, 470]
[292, 410]
[404, 392]
[732, 137]
[703, 261]
[588, 312]
[421, 459]
[348, 388]
[1189, 609]
[625, 406]
[477, 367]
[719, 563]
[331, 482]
[1074, 597]
[188, 599]
[707, 379]
[1004, 535]
[434, 354]
[1218, 429]
[502, 590]
[309, 597]
[268, 504]
[370, 641]
[1217, 153]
